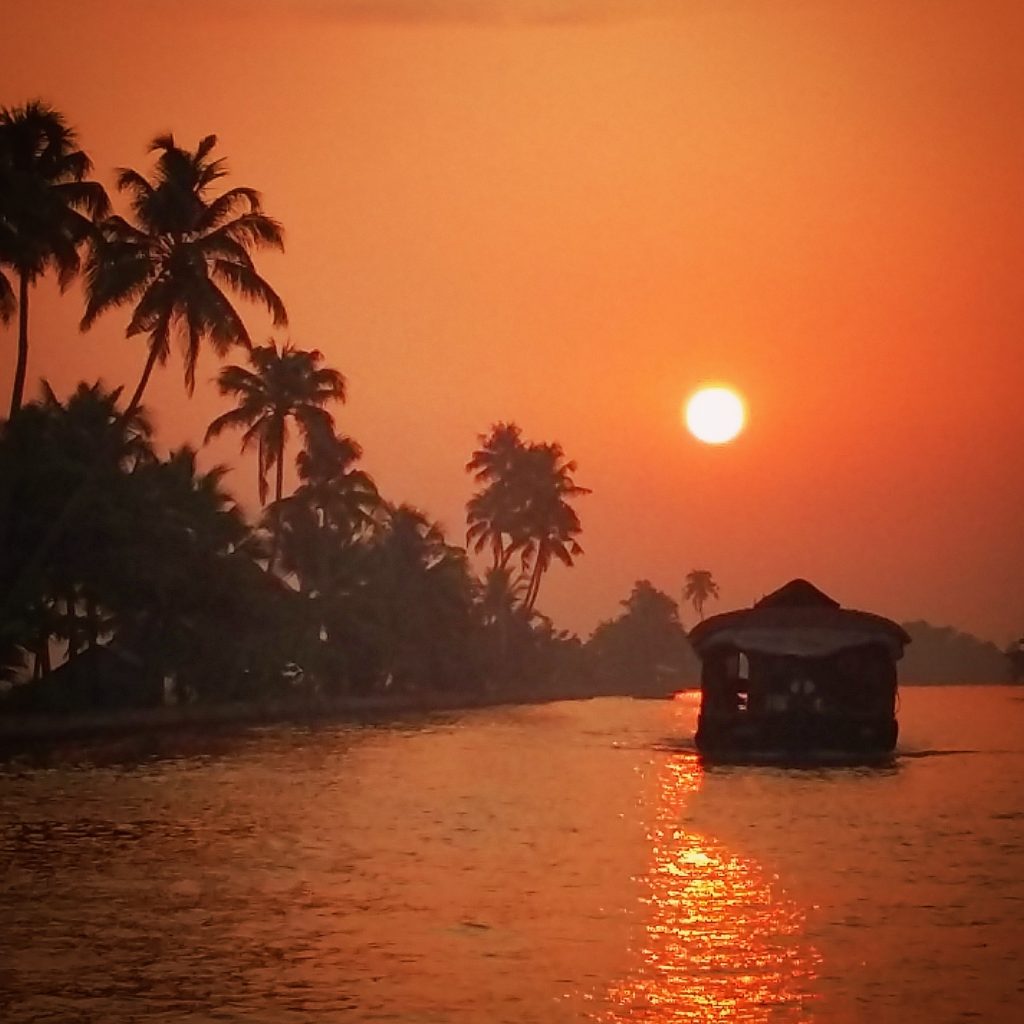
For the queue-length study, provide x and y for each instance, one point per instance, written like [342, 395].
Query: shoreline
[23, 733]
[28, 733]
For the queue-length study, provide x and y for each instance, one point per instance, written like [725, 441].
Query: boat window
[743, 670]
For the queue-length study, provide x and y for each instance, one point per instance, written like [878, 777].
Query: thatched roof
[799, 620]
[798, 593]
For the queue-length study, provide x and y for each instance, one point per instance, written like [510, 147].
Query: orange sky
[568, 213]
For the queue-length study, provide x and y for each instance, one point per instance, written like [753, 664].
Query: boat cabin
[796, 675]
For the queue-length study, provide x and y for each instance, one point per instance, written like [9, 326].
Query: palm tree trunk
[144, 380]
[506, 556]
[534, 588]
[21, 368]
[278, 494]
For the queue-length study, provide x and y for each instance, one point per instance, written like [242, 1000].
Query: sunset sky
[569, 214]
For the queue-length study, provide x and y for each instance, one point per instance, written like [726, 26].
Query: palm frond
[254, 229]
[89, 196]
[116, 229]
[206, 144]
[114, 276]
[229, 204]
[129, 180]
[237, 380]
[232, 419]
[226, 327]
[314, 422]
[209, 172]
[218, 245]
[155, 306]
[256, 432]
[330, 384]
[251, 286]
[75, 164]
[162, 143]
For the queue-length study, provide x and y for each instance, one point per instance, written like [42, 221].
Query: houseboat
[797, 677]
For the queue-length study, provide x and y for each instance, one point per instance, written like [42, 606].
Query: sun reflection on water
[721, 942]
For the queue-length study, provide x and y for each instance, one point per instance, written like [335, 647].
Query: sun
[715, 415]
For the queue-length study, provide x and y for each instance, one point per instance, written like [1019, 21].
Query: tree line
[133, 563]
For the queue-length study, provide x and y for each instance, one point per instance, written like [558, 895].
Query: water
[568, 862]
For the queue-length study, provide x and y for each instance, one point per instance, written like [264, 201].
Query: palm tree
[181, 583]
[552, 524]
[335, 507]
[501, 596]
[699, 588]
[346, 498]
[282, 385]
[46, 452]
[491, 513]
[504, 619]
[424, 592]
[45, 208]
[185, 247]
[524, 504]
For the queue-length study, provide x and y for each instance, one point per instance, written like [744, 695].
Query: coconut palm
[423, 592]
[334, 508]
[186, 250]
[504, 620]
[501, 595]
[46, 452]
[524, 505]
[551, 523]
[491, 513]
[45, 208]
[183, 582]
[346, 498]
[698, 589]
[286, 384]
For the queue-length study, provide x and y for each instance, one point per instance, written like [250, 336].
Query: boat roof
[797, 620]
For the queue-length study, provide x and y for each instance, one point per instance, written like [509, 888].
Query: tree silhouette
[185, 247]
[324, 528]
[345, 498]
[698, 589]
[286, 384]
[423, 592]
[1015, 655]
[523, 506]
[181, 577]
[644, 650]
[492, 513]
[45, 208]
[46, 452]
[551, 523]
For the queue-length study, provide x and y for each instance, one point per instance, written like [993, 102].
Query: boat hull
[797, 738]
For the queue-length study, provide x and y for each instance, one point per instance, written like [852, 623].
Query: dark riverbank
[27, 734]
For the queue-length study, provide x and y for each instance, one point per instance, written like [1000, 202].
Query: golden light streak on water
[722, 942]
